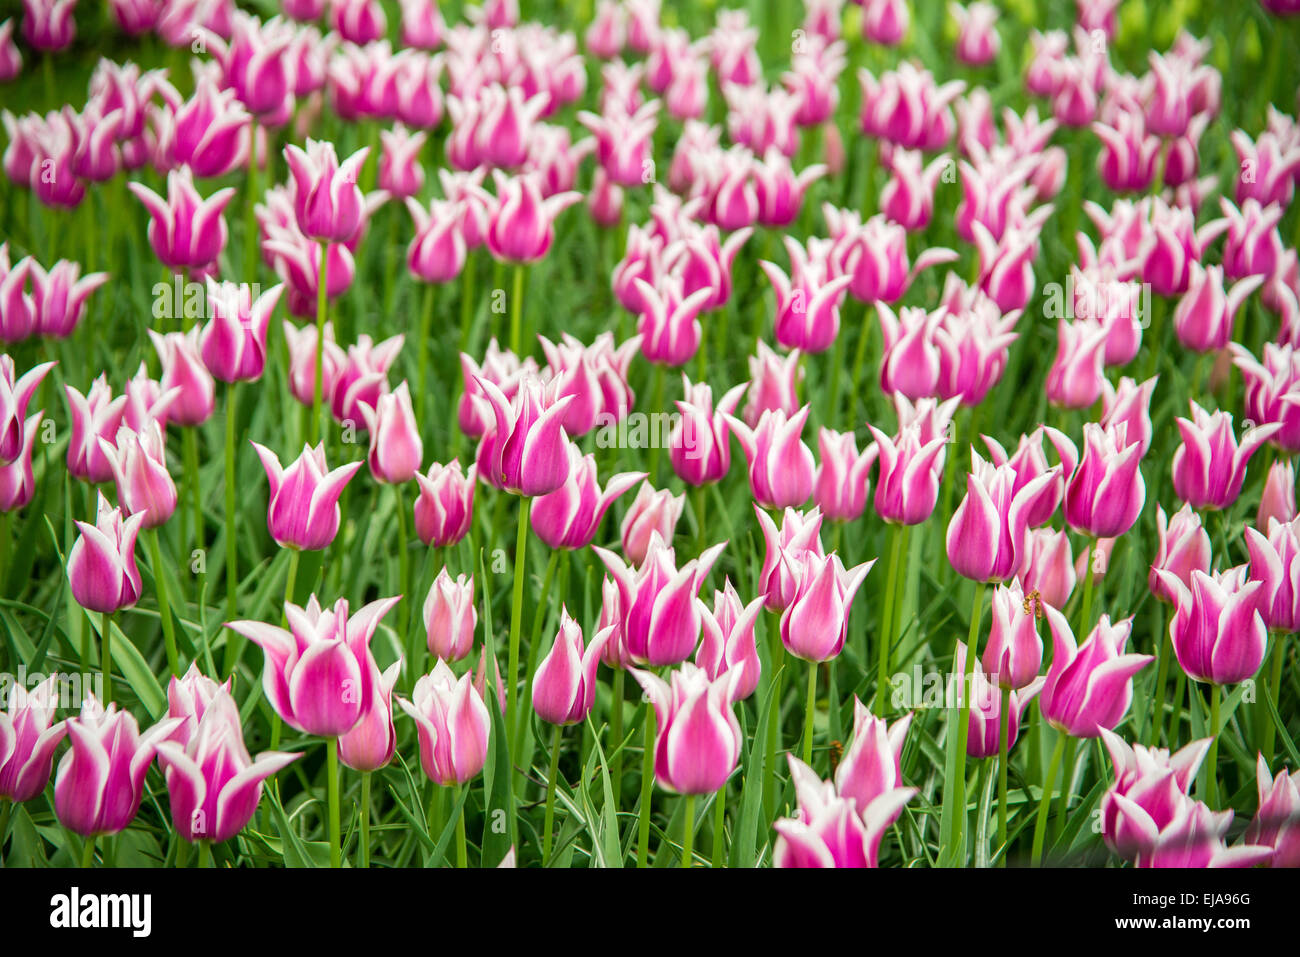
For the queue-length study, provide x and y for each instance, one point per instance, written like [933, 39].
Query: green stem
[647, 780]
[466, 302]
[403, 567]
[1212, 759]
[291, 580]
[1049, 782]
[688, 825]
[616, 731]
[365, 819]
[892, 577]
[1085, 608]
[517, 310]
[205, 855]
[719, 825]
[1004, 728]
[422, 357]
[164, 606]
[6, 807]
[810, 708]
[232, 531]
[556, 740]
[963, 720]
[517, 610]
[462, 851]
[332, 792]
[656, 406]
[859, 363]
[106, 659]
[190, 449]
[317, 429]
[774, 721]
[250, 201]
[1275, 688]
[1067, 783]
[88, 853]
[1162, 680]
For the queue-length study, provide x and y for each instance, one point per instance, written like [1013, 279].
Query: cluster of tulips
[845, 239]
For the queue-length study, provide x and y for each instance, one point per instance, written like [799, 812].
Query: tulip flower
[660, 612]
[94, 416]
[799, 533]
[363, 377]
[977, 38]
[1271, 391]
[653, 512]
[101, 564]
[564, 686]
[908, 197]
[1130, 404]
[315, 673]
[1217, 631]
[372, 742]
[1193, 837]
[14, 399]
[233, 343]
[1075, 378]
[395, 446]
[186, 231]
[697, 737]
[842, 483]
[728, 640]
[781, 466]
[139, 464]
[48, 25]
[188, 698]
[1152, 782]
[1209, 466]
[1048, 568]
[1184, 547]
[450, 617]
[816, 622]
[525, 450]
[1014, 653]
[832, 830]
[209, 133]
[773, 383]
[327, 202]
[1276, 824]
[1089, 686]
[445, 506]
[907, 488]
[521, 228]
[400, 172]
[28, 736]
[985, 722]
[1204, 316]
[213, 783]
[185, 373]
[699, 446]
[874, 253]
[1105, 495]
[11, 59]
[18, 317]
[303, 510]
[60, 297]
[986, 536]
[453, 724]
[807, 301]
[437, 253]
[1277, 501]
[1275, 562]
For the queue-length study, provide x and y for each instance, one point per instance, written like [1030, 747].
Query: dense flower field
[605, 434]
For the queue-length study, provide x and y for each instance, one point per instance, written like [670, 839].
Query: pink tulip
[669, 324]
[233, 343]
[1210, 467]
[798, 535]
[359, 21]
[1273, 391]
[422, 24]
[213, 783]
[842, 481]
[316, 674]
[453, 724]
[1275, 562]
[1194, 837]
[1268, 168]
[580, 370]
[254, 65]
[1105, 495]
[699, 446]
[985, 723]
[872, 764]
[1277, 501]
[18, 317]
[661, 616]
[327, 202]
[1029, 463]
[208, 132]
[372, 742]
[303, 511]
[570, 516]
[400, 172]
[779, 190]
[59, 296]
[1276, 824]
[522, 224]
[986, 536]
[504, 370]
[905, 107]
[703, 261]
[28, 736]
[874, 253]
[14, 399]
[807, 301]
[1204, 316]
[188, 698]
[728, 641]
[977, 38]
[908, 197]
[1127, 162]
[17, 483]
[831, 830]
[1153, 783]
[653, 512]
[139, 464]
[395, 446]
[450, 617]
[11, 59]
[1184, 547]
[697, 736]
[623, 142]
[100, 781]
[1252, 245]
[186, 231]
[606, 34]
[815, 624]
[1048, 568]
[885, 21]
[1089, 686]
[445, 506]
[94, 416]
[1075, 379]
[564, 686]
[773, 383]
[1130, 405]
[781, 466]
[363, 377]
[48, 25]
[101, 564]
[525, 450]
[1014, 653]
[301, 344]
[907, 488]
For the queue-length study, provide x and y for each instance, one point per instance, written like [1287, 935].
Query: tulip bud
[450, 617]
[1089, 686]
[303, 511]
[698, 739]
[453, 724]
[28, 736]
[445, 506]
[564, 686]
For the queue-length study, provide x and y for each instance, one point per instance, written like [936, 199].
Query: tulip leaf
[498, 773]
[745, 832]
